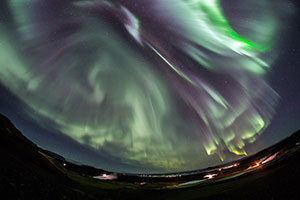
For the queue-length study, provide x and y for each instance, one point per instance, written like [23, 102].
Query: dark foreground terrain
[28, 172]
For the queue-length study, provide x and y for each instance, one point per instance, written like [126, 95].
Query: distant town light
[210, 176]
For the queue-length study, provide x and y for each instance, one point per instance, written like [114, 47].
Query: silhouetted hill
[55, 155]
[27, 174]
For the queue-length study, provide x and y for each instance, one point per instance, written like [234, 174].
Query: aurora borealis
[172, 85]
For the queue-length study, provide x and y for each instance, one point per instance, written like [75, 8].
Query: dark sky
[159, 88]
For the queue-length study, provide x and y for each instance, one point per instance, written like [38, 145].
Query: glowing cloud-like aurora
[166, 83]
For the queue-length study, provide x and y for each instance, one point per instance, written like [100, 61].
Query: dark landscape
[29, 172]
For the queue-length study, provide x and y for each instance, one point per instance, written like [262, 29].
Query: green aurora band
[100, 90]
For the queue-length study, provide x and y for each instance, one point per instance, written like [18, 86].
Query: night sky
[151, 86]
